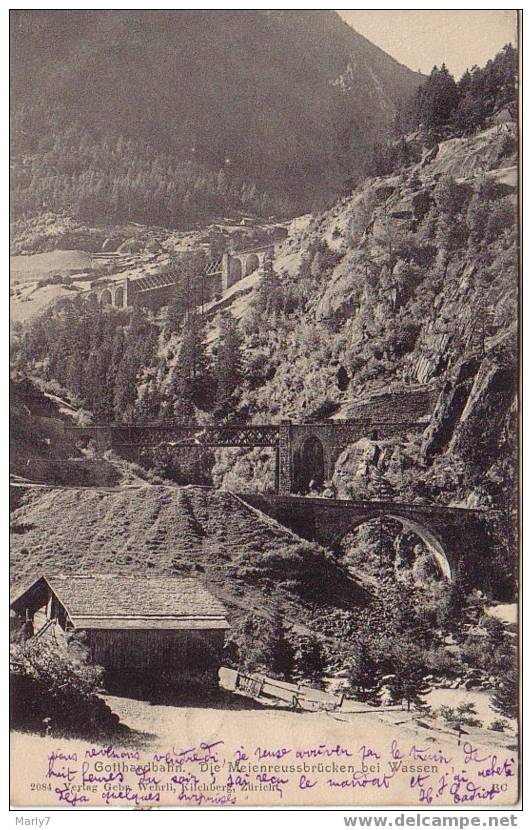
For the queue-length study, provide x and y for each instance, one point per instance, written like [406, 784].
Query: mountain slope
[409, 284]
[247, 560]
[286, 102]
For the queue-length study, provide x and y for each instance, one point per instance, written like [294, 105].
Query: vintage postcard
[265, 408]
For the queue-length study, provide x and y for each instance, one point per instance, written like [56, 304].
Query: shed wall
[188, 652]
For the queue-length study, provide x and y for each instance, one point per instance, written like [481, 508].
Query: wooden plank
[303, 697]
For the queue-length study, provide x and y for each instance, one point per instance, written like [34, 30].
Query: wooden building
[133, 624]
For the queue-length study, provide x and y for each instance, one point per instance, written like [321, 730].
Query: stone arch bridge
[110, 293]
[307, 452]
[451, 534]
[239, 264]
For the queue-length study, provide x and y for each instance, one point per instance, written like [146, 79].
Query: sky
[423, 39]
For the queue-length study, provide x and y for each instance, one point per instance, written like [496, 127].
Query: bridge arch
[252, 263]
[106, 297]
[310, 463]
[235, 270]
[119, 297]
[433, 544]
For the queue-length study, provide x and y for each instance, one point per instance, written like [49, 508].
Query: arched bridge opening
[239, 264]
[451, 534]
[383, 543]
[310, 465]
[252, 263]
[113, 293]
[235, 270]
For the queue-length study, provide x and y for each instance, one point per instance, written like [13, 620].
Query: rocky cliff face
[410, 284]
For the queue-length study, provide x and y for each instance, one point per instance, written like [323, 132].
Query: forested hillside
[170, 116]
[442, 107]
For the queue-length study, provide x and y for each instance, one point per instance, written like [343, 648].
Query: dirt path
[160, 723]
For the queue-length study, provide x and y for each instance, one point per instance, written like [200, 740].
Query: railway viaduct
[240, 264]
[155, 290]
[306, 452]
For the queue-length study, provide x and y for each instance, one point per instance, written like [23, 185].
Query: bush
[464, 714]
[442, 662]
[56, 279]
[260, 644]
[451, 197]
[499, 725]
[309, 661]
[48, 687]
[485, 654]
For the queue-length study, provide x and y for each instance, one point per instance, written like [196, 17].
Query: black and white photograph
[265, 408]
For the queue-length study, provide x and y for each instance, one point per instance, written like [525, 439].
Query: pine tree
[437, 99]
[310, 660]
[192, 355]
[365, 673]
[74, 373]
[142, 336]
[398, 604]
[125, 391]
[191, 377]
[106, 412]
[409, 671]
[506, 696]
[455, 609]
[179, 404]
[269, 301]
[227, 368]
[148, 404]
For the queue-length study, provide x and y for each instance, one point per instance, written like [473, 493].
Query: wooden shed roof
[129, 602]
